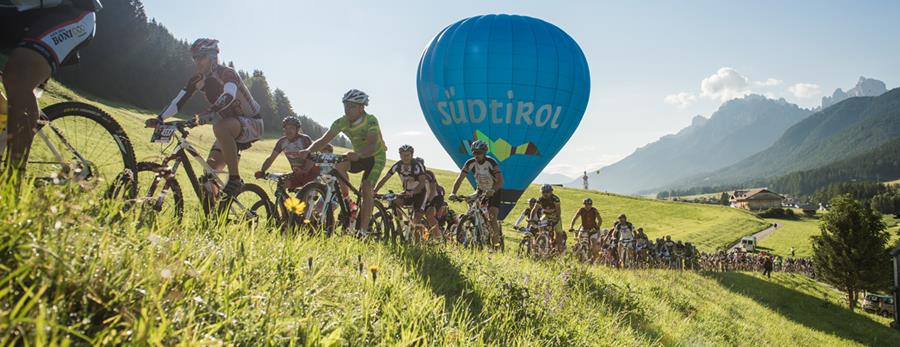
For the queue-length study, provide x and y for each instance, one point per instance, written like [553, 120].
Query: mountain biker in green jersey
[369, 152]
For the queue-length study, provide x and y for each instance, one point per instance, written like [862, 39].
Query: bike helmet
[479, 145]
[546, 188]
[292, 120]
[587, 201]
[204, 47]
[406, 148]
[532, 201]
[622, 215]
[356, 96]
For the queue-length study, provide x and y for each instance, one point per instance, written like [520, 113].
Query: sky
[654, 64]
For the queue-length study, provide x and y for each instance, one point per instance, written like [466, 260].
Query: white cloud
[410, 133]
[724, 85]
[805, 90]
[771, 82]
[681, 100]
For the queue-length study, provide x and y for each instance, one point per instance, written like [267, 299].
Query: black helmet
[546, 188]
[622, 215]
[406, 148]
[532, 201]
[292, 120]
[587, 201]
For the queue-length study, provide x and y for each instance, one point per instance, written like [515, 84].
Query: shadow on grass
[810, 311]
[444, 278]
[619, 300]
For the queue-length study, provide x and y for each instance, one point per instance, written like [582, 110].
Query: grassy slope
[797, 233]
[100, 277]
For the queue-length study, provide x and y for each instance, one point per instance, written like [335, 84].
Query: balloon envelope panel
[518, 83]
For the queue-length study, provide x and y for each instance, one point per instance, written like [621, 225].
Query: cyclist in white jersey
[488, 181]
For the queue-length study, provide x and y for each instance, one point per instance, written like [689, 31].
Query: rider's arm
[524, 214]
[599, 219]
[324, 140]
[424, 182]
[372, 144]
[383, 180]
[268, 162]
[183, 96]
[459, 179]
[575, 218]
[498, 179]
[229, 93]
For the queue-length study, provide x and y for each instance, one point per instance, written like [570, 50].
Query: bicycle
[626, 254]
[404, 225]
[164, 196]
[582, 248]
[536, 241]
[321, 197]
[472, 230]
[78, 143]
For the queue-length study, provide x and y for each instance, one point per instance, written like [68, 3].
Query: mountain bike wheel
[84, 144]
[251, 204]
[313, 197]
[524, 249]
[160, 194]
[542, 246]
[380, 225]
[467, 233]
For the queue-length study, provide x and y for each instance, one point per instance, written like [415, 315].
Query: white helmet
[356, 96]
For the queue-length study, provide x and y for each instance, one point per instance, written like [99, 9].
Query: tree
[851, 252]
[283, 106]
[259, 89]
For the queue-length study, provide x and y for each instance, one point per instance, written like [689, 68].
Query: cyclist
[551, 211]
[590, 218]
[39, 36]
[412, 178]
[526, 213]
[368, 155]
[436, 208]
[293, 141]
[590, 225]
[624, 233]
[232, 111]
[488, 179]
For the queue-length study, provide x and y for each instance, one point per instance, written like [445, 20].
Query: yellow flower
[294, 205]
[373, 268]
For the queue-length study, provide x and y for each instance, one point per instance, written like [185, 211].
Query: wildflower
[294, 205]
[165, 273]
[374, 270]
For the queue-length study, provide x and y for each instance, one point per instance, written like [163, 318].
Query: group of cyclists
[44, 35]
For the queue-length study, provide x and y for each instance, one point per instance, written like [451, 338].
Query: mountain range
[740, 127]
[755, 137]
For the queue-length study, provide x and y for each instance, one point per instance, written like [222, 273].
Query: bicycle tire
[109, 161]
[157, 172]
[313, 195]
[542, 246]
[256, 200]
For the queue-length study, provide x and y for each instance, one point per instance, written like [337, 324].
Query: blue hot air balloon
[518, 83]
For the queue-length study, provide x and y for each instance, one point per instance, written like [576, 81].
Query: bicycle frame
[182, 154]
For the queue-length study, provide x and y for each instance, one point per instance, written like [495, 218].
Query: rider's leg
[432, 224]
[216, 161]
[495, 225]
[227, 131]
[342, 169]
[367, 190]
[25, 70]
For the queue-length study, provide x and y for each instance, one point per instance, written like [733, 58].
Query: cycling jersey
[548, 205]
[359, 131]
[409, 173]
[625, 231]
[225, 91]
[55, 33]
[484, 172]
[588, 218]
[291, 148]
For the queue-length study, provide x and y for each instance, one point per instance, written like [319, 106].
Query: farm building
[755, 199]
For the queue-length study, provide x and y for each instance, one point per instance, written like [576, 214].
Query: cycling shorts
[371, 167]
[55, 33]
[251, 131]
